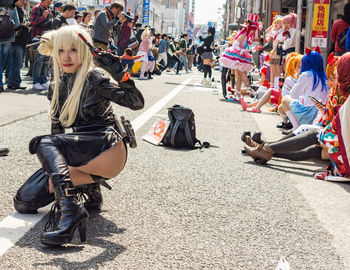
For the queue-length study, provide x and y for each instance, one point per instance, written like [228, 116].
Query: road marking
[143, 118]
[13, 227]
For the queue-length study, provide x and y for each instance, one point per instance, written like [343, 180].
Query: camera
[128, 17]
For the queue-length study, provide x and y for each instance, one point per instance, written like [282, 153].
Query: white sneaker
[45, 86]
[143, 78]
[37, 86]
[204, 81]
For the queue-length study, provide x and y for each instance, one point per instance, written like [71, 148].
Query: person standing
[183, 51]
[190, 53]
[106, 19]
[162, 50]
[17, 49]
[338, 28]
[58, 9]
[126, 32]
[68, 13]
[86, 19]
[41, 22]
[173, 52]
[5, 43]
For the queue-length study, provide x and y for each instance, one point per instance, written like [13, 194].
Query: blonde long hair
[66, 38]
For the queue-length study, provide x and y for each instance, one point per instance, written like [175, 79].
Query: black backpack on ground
[182, 130]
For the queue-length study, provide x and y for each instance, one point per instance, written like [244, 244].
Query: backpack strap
[188, 135]
[173, 132]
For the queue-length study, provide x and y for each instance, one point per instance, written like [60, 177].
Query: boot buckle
[70, 192]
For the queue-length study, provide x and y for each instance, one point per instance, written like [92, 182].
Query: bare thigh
[108, 164]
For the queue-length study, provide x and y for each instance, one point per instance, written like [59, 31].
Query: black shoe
[1, 89]
[245, 133]
[33, 194]
[287, 131]
[257, 137]
[92, 195]
[284, 125]
[4, 150]
[12, 87]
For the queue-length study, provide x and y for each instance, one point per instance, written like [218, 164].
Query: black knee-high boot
[33, 194]
[71, 212]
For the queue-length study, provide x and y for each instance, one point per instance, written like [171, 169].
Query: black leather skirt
[80, 147]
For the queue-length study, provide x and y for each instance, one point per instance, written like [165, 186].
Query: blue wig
[314, 62]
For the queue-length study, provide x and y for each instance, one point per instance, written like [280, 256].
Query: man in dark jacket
[68, 13]
[16, 52]
[103, 25]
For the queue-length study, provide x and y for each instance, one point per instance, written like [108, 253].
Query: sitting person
[128, 59]
[95, 151]
[292, 74]
[335, 137]
[298, 106]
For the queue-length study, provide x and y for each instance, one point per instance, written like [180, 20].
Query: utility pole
[298, 30]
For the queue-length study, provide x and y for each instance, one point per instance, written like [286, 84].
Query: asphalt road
[173, 209]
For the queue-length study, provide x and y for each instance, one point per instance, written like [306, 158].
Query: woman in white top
[298, 106]
[289, 23]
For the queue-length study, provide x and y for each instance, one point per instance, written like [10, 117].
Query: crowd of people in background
[144, 51]
[311, 100]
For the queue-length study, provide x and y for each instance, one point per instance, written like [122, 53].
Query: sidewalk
[329, 200]
[19, 104]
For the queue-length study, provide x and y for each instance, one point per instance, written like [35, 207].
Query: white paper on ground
[283, 264]
[332, 178]
[157, 131]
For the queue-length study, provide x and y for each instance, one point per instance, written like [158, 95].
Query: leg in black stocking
[209, 71]
[312, 152]
[296, 143]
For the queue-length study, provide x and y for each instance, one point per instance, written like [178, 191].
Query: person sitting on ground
[335, 137]
[298, 106]
[292, 73]
[326, 113]
[128, 60]
[95, 151]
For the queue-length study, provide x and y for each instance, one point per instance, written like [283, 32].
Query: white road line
[143, 118]
[13, 227]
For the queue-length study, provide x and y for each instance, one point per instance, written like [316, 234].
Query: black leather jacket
[95, 110]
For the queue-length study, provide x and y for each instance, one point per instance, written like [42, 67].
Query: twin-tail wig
[331, 68]
[67, 38]
[313, 62]
[293, 61]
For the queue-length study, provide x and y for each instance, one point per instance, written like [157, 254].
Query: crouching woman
[81, 99]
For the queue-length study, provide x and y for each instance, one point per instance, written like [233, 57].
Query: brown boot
[262, 154]
[249, 141]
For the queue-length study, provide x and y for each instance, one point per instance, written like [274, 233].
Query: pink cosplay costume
[237, 56]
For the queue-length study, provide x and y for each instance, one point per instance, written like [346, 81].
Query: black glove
[110, 63]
